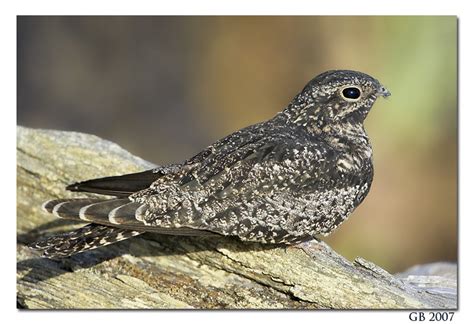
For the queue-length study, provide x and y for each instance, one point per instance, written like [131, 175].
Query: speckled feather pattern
[285, 180]
[82, 239]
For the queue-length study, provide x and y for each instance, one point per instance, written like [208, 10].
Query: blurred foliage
[166, 87]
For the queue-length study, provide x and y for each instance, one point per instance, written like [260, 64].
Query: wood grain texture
[159, 271]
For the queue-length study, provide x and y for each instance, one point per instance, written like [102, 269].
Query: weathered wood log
[159, 271]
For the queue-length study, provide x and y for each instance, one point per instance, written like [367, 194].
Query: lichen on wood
[159, 271]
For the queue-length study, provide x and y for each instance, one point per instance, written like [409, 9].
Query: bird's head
[335, 97]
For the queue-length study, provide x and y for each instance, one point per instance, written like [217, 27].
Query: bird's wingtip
[73, 187]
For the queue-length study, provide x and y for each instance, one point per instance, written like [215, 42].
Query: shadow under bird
[285, 180]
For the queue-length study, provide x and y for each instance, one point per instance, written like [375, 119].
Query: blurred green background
[166, 87]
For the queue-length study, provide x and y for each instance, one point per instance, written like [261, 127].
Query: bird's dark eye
[351, 93]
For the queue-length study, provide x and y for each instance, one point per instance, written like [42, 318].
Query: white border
[241, 7]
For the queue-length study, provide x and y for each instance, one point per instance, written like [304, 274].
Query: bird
[286, 180]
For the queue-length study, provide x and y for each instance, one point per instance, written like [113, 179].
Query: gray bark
[159, 271]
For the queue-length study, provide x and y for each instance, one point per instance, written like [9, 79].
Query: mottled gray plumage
[285, 180]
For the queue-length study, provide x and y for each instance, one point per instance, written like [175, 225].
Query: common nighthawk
[284, 180]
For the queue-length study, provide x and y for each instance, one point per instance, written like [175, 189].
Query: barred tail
[93, 210]
[83, 239]
[112, 220]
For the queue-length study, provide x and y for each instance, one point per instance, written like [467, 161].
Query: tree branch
[157, 271]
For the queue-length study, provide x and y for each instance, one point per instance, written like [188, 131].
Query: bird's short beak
[383, 92]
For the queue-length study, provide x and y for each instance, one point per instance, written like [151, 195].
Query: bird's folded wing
[119, 186]
[223, 180]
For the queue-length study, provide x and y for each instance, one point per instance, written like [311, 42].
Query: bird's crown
[334, 97]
